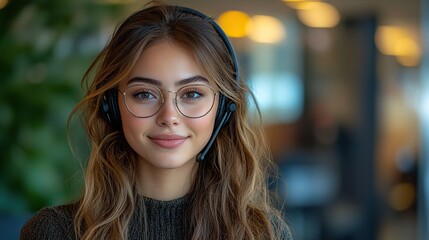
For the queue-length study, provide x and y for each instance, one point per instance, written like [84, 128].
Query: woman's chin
[169, 162]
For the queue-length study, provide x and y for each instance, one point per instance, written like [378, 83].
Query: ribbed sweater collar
[150, 202]
[165, 219]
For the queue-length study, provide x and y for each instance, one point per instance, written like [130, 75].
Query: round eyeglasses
[192, 101]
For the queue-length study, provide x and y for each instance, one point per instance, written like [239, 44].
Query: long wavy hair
[229, 198]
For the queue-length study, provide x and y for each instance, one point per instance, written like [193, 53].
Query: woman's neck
[165, 184]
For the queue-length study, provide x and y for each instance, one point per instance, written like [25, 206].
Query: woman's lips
[168, 141]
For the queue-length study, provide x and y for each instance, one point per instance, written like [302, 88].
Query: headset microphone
[229, 110]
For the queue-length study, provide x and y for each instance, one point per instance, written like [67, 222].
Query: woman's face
[168, 139]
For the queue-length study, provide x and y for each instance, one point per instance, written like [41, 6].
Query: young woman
[174, 155]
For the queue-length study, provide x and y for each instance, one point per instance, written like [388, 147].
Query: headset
[226, 107]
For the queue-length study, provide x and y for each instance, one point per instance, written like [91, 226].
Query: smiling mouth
[169, 141]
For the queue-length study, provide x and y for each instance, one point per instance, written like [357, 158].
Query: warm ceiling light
[406, 47]
[395, 41]
[407, 52]
[265, 29]
[402, 196]
[408, 61]
[386, 38]
[300, 4]
[234, 23]
[319, 15]
[3, 3]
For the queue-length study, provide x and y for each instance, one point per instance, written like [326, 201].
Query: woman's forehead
[166, 63]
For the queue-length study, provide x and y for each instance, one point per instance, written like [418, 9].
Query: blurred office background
[343, 86]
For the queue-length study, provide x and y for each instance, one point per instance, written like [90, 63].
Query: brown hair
[229, 198]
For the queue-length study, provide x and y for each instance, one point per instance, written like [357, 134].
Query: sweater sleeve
[287, 234]
[283, 230]
[49, 224]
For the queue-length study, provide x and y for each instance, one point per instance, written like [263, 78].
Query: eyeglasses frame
[163, 99]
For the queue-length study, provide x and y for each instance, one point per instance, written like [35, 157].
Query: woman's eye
[192, 94]
[144, 95]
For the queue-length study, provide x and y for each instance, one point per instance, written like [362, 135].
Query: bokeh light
[402, 196]
[234, 23]
[300, 4]
[266, 29]
[318, 15]
[3, 3]
[396, 41]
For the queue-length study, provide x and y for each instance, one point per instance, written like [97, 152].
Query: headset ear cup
[110, 108]
[105, 109]
[115, 112]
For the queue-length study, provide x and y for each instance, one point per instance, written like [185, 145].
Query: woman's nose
[168, 115]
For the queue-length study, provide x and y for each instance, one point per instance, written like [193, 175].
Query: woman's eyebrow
[193, 79]
[144, 80]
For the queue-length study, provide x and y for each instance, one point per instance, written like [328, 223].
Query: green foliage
[45, 48]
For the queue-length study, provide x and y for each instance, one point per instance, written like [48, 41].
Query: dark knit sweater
[165, 220]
